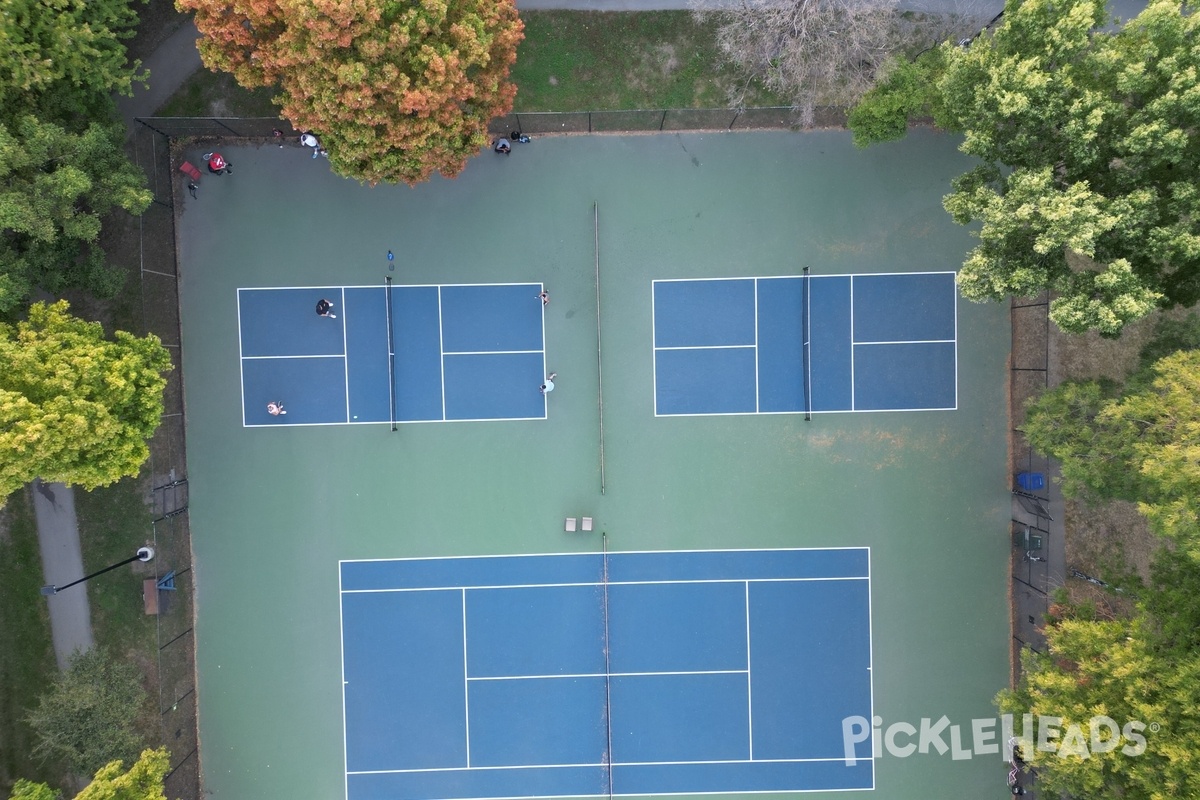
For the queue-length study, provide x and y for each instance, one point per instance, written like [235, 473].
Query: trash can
[1031, 481]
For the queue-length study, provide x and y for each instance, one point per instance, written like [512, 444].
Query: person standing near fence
[309, 140]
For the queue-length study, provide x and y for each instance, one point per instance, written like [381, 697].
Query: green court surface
[274, 510]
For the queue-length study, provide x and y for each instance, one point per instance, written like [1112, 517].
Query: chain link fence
[1033, 530]
[539, 122]
[167, 484]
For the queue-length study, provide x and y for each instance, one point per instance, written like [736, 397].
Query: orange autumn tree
[395, 90]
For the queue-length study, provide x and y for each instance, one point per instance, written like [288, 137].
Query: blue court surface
[689, 672]
[399, 354]
[787, 345]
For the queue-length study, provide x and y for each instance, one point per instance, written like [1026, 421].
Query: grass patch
[217, 94]
[601, 60]
[569, 61]
[26, 649]
[113, 523]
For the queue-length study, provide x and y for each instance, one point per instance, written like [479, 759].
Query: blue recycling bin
[1031, 481]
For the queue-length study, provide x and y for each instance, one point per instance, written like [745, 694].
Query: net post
[806, 366]
[391, 350]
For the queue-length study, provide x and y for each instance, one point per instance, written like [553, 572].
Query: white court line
[954, 302]
[749, 679]
[345, 353]
[756, 400]
[652, 794]
[801, 411]
[608, 675]
[376, 286]
[907, 341]
[620, 764]
[870, 659]
[342, 649]
[309, 355]
[391, 356]
[853, 388]
[466, 682]
[618, 553]
[806, 340]
[242, 360]
[491, 587]
[386, 422]
[489, 352]
[823, 275]
[709, 347]
[654, 345]
[442, 350]
[545, 368]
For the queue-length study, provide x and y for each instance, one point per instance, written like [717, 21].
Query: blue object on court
[460, 353]
[1031, 481]
[488, 677]
[883, 342]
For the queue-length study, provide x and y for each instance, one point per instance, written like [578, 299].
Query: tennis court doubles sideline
[584, 674]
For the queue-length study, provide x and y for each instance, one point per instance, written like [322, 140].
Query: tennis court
[605, 674]
[405, 611]
[392, 353]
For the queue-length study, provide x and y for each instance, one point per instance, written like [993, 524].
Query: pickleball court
[392, 353]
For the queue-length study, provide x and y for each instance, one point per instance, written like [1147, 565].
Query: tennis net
[391, 352]
[805, 295]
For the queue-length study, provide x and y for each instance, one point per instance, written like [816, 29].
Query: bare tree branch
[826, 52]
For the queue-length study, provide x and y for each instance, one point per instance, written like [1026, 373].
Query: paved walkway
[62, 563]
[170, 66]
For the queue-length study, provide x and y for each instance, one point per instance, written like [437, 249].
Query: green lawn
[26, 651]
[569, 61]
[593, 60]
[217, 94]
[113, 523]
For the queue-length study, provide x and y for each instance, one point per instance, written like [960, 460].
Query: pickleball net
[391, 351]
[806, 366]
[607, 669]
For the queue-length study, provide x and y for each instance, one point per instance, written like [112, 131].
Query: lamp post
[143, 554]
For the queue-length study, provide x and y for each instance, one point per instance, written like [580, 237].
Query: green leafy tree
[1145, 669]
[907, 91]
[63, 58]
[88, 717]
[1098, 668]
[1143, 446]
[1087, 182]
[28, 790]
[396, 91]
[62, 161]
[54, 188]
[143, 781]
[75, 406]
